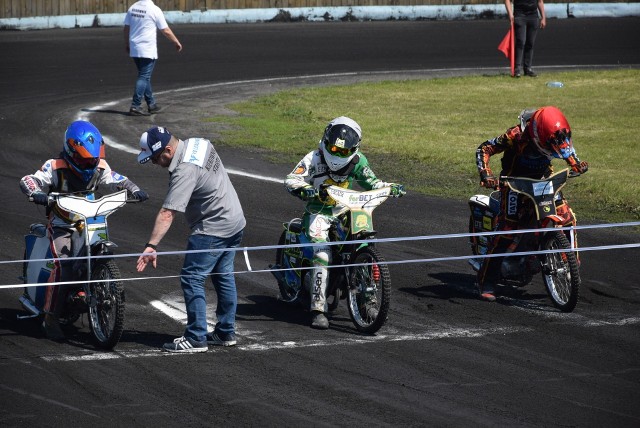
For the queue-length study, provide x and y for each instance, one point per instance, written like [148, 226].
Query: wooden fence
[28, 8]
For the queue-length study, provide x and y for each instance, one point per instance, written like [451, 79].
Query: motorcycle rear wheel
[106, 306]
[369, 291]
[560, 272]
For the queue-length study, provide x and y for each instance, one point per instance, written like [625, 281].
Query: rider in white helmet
[337, 161]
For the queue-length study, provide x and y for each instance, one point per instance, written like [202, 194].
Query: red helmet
[550, 132]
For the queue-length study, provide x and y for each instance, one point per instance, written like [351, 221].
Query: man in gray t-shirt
[200, 188]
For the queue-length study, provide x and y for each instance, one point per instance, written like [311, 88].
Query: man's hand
[149, 255]
[397, 190]
[487, 179]
[40, 198]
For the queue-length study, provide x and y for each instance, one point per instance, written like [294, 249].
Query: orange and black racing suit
[520, 158]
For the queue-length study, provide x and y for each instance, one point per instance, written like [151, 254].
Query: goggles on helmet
[342, 152]
[561, 143]
[85, 163]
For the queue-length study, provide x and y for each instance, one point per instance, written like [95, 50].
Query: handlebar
[51, 197]
[504, 178]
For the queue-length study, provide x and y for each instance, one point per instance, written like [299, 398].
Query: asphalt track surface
[444, 358]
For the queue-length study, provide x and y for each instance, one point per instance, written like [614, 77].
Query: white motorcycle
[358, 270]
[102, 295]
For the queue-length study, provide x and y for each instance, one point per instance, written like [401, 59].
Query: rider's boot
[487, 292]
[319, 291]
[51, 327]
[487, 279]
[319, 320]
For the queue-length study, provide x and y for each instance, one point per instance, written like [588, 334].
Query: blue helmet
[82, 149]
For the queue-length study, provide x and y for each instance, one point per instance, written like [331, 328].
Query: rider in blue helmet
[82, 149]
[81, 168]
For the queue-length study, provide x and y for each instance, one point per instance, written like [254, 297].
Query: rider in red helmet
[80, 167]
[528, 149]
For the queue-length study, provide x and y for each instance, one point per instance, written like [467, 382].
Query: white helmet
[340, 142]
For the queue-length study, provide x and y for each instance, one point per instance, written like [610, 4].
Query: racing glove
[487, 179]
[140, 195]
[307, 193]
[581, 167]
[40, 198]
[397, 190]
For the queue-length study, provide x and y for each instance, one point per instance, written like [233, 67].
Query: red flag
[507, 47]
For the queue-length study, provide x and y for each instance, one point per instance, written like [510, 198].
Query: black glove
[40, 198]
[140, 195]
[308, 193]
[397, 190]
[487, 179]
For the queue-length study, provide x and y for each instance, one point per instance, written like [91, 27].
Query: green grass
[424, 133]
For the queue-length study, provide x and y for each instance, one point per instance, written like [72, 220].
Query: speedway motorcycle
[544, 209]
[102, 295]
[357, 272]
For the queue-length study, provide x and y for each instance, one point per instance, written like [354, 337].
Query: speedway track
[443, 359]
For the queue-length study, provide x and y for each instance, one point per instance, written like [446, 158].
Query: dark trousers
[526, 29]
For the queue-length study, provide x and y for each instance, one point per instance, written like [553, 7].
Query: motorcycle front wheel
[106, 305]
[560, 272]
[369, 290]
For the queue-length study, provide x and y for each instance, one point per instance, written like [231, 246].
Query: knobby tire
[560, 272]
[106, 311]
[365, 293]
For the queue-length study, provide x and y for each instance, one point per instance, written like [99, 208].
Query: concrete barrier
[356, 13]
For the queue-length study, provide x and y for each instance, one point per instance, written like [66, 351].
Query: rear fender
[484, 217]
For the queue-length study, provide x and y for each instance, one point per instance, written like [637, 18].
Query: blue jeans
[197, 267]
[143, 83]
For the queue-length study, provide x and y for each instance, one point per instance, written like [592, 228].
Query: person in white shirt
[141, 23]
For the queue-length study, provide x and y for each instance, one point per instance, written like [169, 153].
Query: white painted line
[268, 346]
[177, 314]
[447, 333]
[441, 333]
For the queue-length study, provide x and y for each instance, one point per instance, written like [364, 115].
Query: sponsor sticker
[487, 223]
[512, 203]
[543, 188]
[362, 221]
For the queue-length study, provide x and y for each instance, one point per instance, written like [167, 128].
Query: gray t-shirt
[200, 187]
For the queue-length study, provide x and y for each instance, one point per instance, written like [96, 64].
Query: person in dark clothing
[526, 16]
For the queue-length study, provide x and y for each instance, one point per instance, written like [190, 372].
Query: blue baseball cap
[153, 141]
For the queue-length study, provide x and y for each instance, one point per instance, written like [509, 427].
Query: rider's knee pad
[322, 255]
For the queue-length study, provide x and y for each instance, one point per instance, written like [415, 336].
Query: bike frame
[357, 205]
[92, 227]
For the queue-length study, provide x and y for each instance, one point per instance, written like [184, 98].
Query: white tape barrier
[245, 251]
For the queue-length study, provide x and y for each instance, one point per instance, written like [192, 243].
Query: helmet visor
[342, 152]
[560, 143]
[86, 163]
